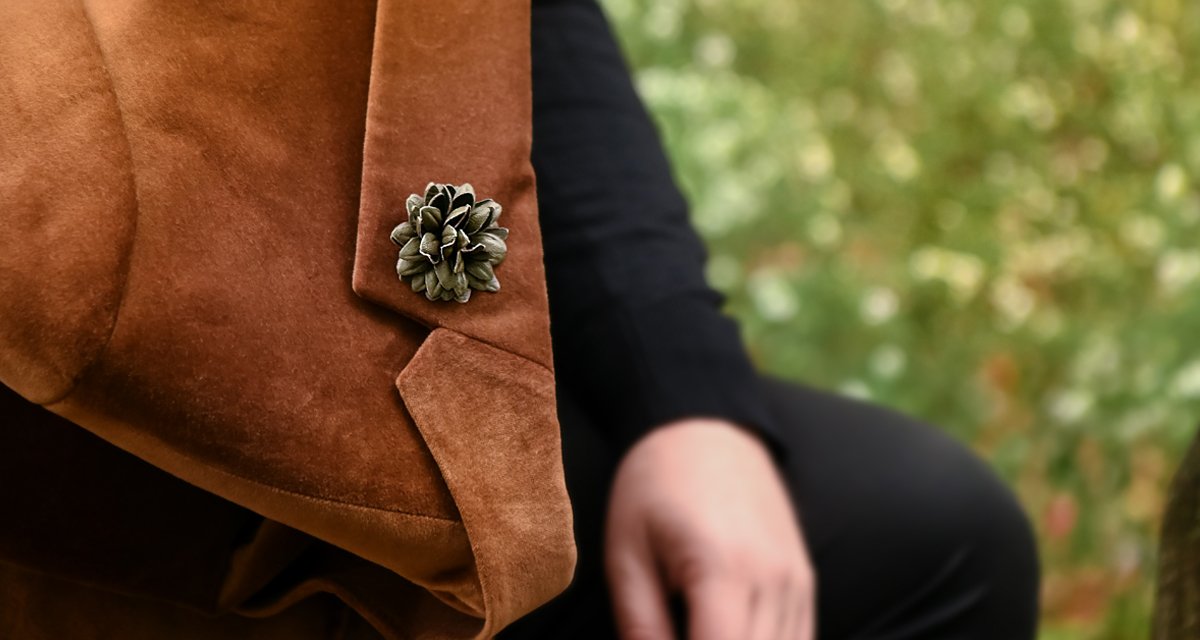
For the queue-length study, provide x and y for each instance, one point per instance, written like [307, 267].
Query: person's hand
[698, 509]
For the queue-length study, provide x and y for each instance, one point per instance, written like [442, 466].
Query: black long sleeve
[639, 338]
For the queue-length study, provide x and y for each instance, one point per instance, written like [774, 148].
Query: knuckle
[693, 569]
[637, 631]
[799, 570]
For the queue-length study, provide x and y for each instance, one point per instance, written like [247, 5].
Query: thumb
[639, 596]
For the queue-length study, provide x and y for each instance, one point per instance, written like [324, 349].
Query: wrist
[730, 436]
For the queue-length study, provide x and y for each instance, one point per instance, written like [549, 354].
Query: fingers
[719, 610]
[639, 597]
[757, 606]
[782, 608]
[799, 610]
[808, 627]
[768, 614]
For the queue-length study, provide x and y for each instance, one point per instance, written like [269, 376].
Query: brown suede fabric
[195, 266]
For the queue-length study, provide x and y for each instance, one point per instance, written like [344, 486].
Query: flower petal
[459, 282]
[411, 249]
[496, 209]
[429, 248]
[464, 198]
[480, 216]
[440, 201]
[444, 274]
[433, 287]
[457, 216]
[449, 237]
[480, 270]
[405, 268]
[431, 219]
[463, 296]
[403, 233]
[413, 204]
[493, 245]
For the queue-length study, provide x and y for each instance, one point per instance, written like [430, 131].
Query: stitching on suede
[307, 496]
[287, 492]
[326, 500]
[496, 347]
[121, 291]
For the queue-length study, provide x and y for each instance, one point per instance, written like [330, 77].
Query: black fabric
[638, 335]
[911, 536]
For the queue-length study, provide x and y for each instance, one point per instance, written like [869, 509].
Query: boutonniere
[450, 243]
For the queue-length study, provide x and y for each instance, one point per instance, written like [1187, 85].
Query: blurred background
[984, 213]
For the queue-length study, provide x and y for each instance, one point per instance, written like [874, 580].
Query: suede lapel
[450, 101]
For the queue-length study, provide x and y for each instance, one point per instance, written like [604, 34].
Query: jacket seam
[302, 495]
[126, 268]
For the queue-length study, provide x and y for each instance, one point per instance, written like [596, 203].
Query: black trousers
[911, 535]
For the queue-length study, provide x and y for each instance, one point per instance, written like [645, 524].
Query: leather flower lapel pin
[450, 244]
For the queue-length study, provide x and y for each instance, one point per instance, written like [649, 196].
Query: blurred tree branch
[1177, 611]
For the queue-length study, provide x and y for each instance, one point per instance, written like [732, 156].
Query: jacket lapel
[450, 102]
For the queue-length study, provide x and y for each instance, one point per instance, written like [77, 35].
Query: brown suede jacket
[195, 266]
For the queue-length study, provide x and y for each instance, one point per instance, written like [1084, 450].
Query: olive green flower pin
[450, 243]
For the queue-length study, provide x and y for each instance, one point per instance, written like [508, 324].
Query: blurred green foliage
[983, 213]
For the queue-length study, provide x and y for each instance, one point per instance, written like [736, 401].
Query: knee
[958, 502]
[908, 527]
[976, 539]
[984, 516]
